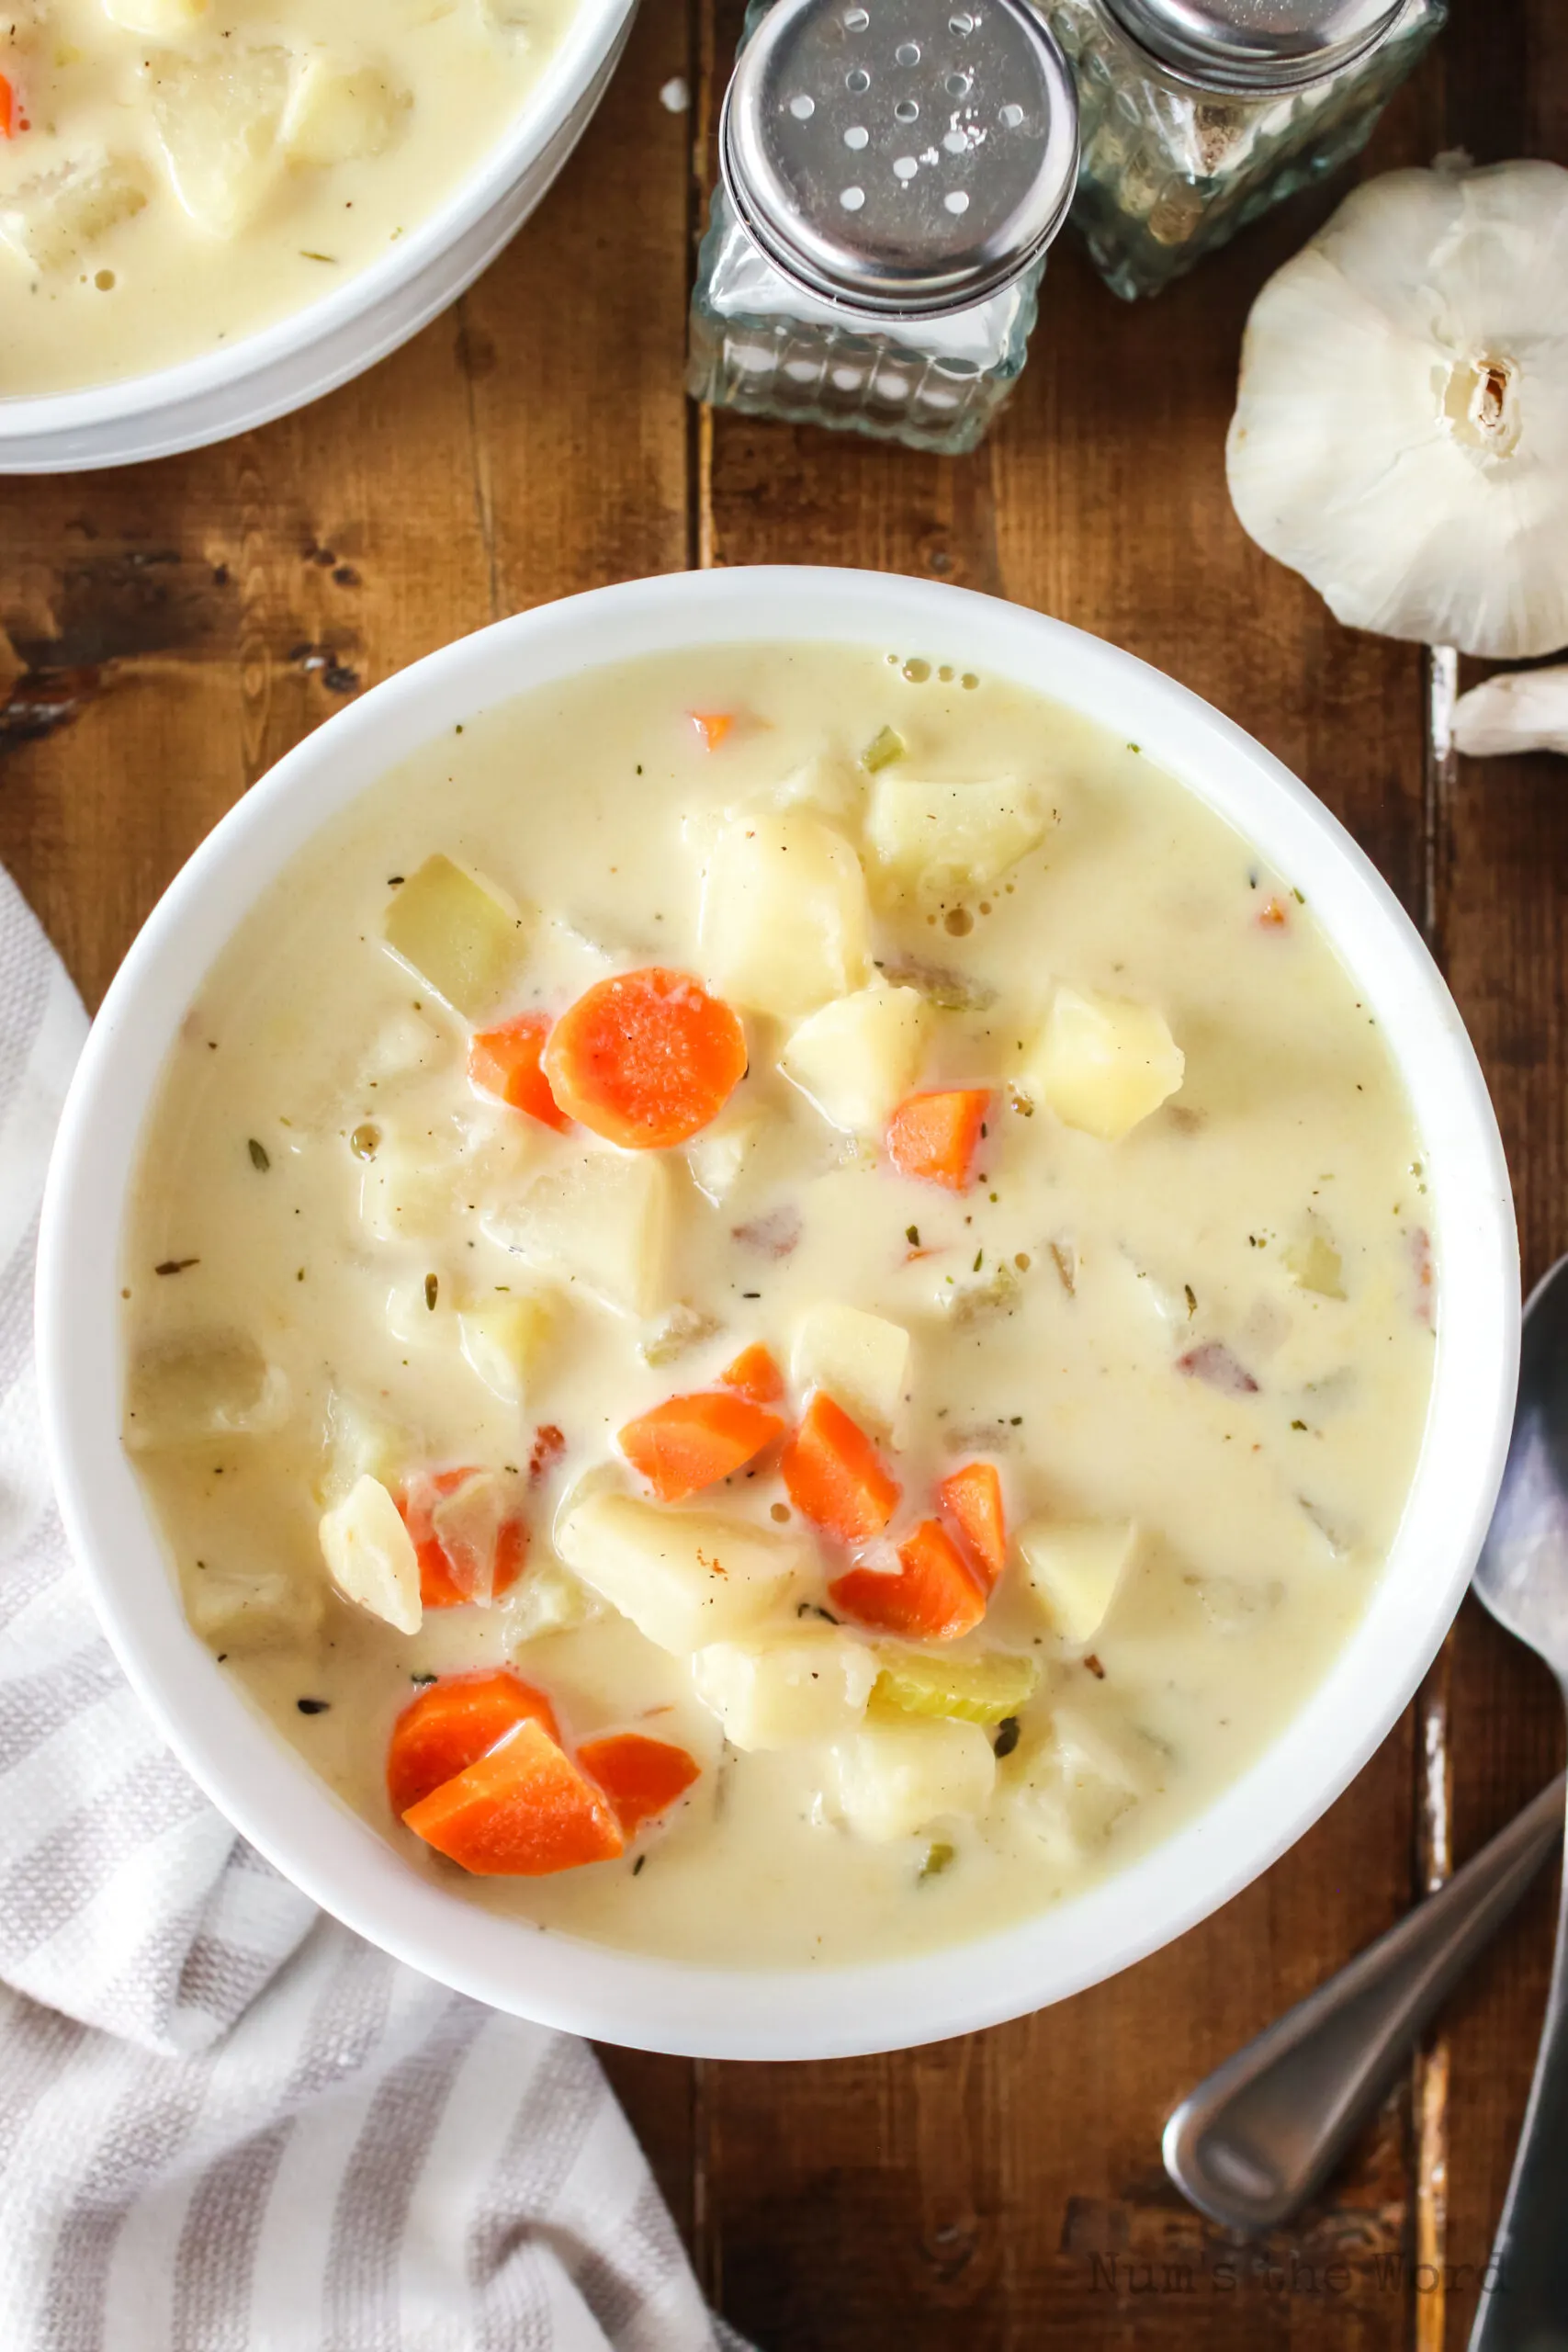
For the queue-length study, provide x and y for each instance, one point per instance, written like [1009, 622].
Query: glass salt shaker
[1198, 115]
[892, 175]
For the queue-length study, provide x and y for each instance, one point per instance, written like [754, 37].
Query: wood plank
[1011, 2182]
[1501, 864]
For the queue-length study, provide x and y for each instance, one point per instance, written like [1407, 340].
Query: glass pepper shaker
[892, 175]
[1198, 115]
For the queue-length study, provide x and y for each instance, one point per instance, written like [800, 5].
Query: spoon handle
[1253, 2140]
[1524, 2301]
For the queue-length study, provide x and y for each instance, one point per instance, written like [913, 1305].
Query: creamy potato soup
[174, 174]
[777, 1306]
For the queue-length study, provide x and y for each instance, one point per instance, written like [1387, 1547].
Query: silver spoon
[1252, 2142]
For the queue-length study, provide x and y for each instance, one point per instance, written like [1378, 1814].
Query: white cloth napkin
[227, 2124]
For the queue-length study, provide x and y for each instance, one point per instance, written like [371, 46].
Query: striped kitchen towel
[226, 2125]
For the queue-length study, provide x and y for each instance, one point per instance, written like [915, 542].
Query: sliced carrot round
[935, 1135]
[646, 1058]
[835, 1475]
[452, 1723]
[933, 1597]
[443, 1583]
[641, 1777]
[754, 1374]
[690, 1442]
[505, 1062]
[972, 1498]
[521, 1810]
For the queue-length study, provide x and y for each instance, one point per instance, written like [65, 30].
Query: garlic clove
[1401, 431]
[1523, 710]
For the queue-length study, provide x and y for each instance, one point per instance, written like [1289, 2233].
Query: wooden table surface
[168, 631]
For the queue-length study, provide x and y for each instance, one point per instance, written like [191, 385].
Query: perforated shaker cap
[1259, 45]
[903, 157]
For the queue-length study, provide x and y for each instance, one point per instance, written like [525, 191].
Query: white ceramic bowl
[264, 1786]
[315, 349]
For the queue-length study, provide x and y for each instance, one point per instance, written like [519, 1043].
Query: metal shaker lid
[1254, 45]
[900, 156]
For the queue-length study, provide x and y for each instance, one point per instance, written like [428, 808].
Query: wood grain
[165, 633]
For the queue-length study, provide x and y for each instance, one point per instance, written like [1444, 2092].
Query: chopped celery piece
[457, 934]
[975, 1690]
[1314, 1264]
[940, 1855]
[885, 746]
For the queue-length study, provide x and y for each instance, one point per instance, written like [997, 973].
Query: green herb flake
[432, 1291]
[912, 1236]
[939, 1856]
[1006, 1739]
[979, 1262]
[260, 1158]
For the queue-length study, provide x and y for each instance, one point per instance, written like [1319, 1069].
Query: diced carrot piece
[9, 124]
[690, 1442]
[442, 1584]
[646, 1058]
[641, 1777]
[1273, 915]
[935, 1135]
[933, 1598]
[505, 1062]
[835, 1474]
[972, 1498]
[452, 1723]
[755, 1374]
[713, 726]
[521, 1810]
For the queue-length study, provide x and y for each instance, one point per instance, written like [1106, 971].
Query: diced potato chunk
[548, 1599]
[1075, 1567]
[1314, 1264]
[360, 1443]
[719, 1157]
[210, 1385]
[796, 1689]
[461, 936]
[975, 1690]
[219, 118]
[407, 1192]
[895, 1778]
[252, 1609]
[860, 1056]
[1103, 1062]
[784, 916]
[938, 840]
[157, 20]
[600, 1221]
[503, 1337]
[341, 112]
[1075, 1785]
[371, 1557]
[50, 220]
[827, 784]
[685, 1578]
[861, 1360]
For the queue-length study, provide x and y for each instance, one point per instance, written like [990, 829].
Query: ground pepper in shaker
[892, 174]
[1198, 115]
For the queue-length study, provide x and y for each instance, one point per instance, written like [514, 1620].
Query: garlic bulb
[1401, 431]
[1522, 710]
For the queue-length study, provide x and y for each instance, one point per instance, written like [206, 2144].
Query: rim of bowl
[690, 2009]
[585, 46]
